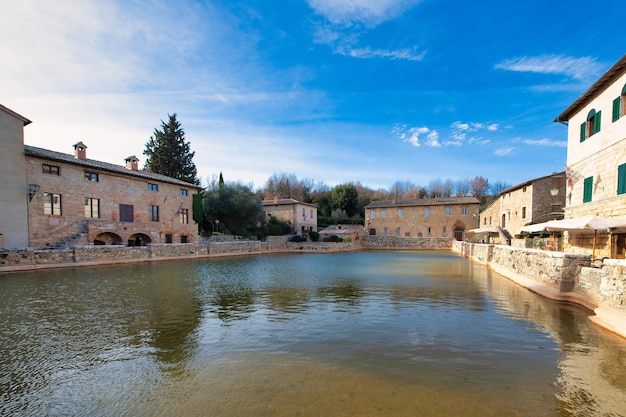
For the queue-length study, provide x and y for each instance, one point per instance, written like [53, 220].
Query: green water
[353, 334]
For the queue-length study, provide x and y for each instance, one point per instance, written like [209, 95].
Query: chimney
[132, 162]
[80, 151]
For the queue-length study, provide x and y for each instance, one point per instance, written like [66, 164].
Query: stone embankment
[560, 276]
[23, 259]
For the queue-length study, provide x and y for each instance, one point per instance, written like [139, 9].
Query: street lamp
[217, 225]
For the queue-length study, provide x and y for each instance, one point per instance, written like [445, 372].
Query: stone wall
[110, 252]
[234, 247]
[395, 242]
[561, 276]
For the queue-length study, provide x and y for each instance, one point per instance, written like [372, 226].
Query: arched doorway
[372, 232]
[503, 220]
[139, 239]
[107, 238]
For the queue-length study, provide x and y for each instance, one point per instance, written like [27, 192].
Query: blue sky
[375, 91]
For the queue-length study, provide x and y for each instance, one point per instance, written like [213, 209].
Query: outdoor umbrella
[589, 223]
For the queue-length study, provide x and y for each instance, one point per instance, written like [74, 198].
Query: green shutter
[596, 122]
[587, 192]
[616, 106]
[583, 131]
[621, 179]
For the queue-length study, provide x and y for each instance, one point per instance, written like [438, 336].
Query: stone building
[14, 185]
[425, 217]
[302, 216]
[82, 201]
[596, 161]
[530, 202]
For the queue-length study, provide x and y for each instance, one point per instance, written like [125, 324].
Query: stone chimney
[80, 151]
[132, 162]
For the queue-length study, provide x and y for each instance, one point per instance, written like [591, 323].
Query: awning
[483, 230]
[586, 223]
[533, 228]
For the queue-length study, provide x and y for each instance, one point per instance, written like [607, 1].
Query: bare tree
[462, 187]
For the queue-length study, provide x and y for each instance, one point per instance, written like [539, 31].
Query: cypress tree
[170, 154]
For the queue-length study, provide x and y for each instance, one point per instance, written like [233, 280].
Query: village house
[596, 162]
[82, 201]
[14, 186]
[425, 217]
[302, 216]
[530, 202]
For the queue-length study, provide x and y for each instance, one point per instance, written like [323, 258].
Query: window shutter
[583, 131]
[621, 179]
[616, 106]
[588, 187]
[596, 123]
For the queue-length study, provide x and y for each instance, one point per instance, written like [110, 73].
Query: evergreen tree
[169, 154]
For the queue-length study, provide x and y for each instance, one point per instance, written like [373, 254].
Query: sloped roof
[17, 116]
[285, 202]
[423, 202]
[342, 229]
[105, 166]
[529, 182]
[598, 87]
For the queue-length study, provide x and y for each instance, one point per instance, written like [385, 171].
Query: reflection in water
[356, 334]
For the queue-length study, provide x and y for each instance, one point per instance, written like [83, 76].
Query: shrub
[333, 238]
[315, 236]
[297, 238]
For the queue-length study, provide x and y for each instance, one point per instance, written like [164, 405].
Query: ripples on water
[356, 334]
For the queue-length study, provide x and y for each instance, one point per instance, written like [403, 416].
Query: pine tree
[169, 154]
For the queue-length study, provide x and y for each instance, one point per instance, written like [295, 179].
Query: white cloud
[546, 142]
[580, 69]
[414, 135]
[399, 54]
[367, 12]
[503, 151]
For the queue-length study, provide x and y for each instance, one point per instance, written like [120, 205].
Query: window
[92, 207]
[383, 213]
[588, 190]
[524, 189]
[304, 213]
[464, 211]
[618, 105]
[153, 187]
[52, 204]
[168, 238]
[385, 231]
[523, 212]
[621, 179]
[51, 169]
[154, 213]
[591, 126]
[447, 211]
[126, 213]
[400, 213]
[373, 214]
[183, 192]
[429, 232]
[311, 213]
[426, 212]
[91, 176]
[184, 215]
[183, 239]
[397, 231]
[444, 231]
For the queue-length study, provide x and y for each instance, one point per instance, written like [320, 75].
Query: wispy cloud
[546, 142]
[346, 21]
[458, 134]
[415, 135]
[580, 69]
[399, 54]
[503, 151]
[366, 12]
